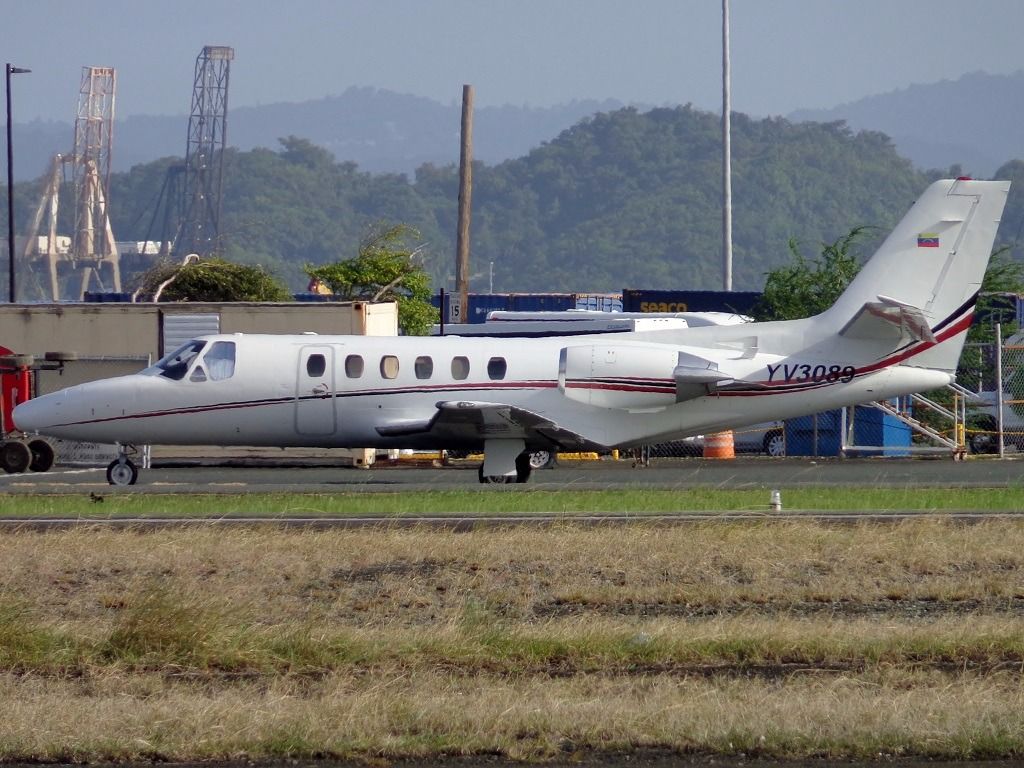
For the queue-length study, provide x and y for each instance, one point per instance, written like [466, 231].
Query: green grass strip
[497, 501]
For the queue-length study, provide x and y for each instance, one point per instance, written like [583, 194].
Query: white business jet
[898, 328]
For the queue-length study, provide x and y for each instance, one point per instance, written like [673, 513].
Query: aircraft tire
[122, 472]
[60, 357]
[493, 479]
[42, 455]
[15, 457]
[775, 443]
[542, 459]
[16, 362]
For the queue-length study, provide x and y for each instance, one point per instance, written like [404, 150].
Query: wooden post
[459, 303]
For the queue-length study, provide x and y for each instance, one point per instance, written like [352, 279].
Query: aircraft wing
[470, 421]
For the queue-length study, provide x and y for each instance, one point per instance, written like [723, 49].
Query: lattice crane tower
[94, 245]
[204, 159]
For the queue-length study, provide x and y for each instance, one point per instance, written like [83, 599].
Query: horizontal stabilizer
[889, 320]
[695, 377]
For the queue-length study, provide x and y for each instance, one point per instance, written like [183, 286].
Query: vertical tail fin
[932, 263]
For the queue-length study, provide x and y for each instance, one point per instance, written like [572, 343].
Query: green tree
[806, 287]
[1004, 281]
[1004, 277]
[388, 268]
[212, 280]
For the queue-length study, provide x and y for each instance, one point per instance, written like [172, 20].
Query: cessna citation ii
[898, 328]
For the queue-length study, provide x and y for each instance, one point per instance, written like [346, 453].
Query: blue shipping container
[314, 297]
[819, 434]
[479, 305]
[542, 302]
[739, 302]
[107, 297]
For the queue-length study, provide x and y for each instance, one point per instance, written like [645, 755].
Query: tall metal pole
[10, 183]
[999, 389]
[461, 299]
[726, 156]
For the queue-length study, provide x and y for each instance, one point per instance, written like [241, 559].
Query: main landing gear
[522, 474]
[122, 470]
[507, 461]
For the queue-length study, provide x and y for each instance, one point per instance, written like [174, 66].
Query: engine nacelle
[618, 376]
[634, 376]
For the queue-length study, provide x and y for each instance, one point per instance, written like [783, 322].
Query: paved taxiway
[309, 476]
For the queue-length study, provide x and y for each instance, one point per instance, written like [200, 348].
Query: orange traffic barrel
[719, 446]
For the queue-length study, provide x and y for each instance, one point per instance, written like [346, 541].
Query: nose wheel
[122, 472]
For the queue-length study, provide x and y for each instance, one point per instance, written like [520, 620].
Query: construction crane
[91, 250]
[199, 231]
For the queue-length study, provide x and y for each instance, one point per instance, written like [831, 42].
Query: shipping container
[820, 433]
[106, 297]
[640, 300]
[542, 302]
[479, 305]
[316, 297]
[599, 302]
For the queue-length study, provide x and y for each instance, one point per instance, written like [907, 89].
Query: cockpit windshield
[176, 364]
[220, 360]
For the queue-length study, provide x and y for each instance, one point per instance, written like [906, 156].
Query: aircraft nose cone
[30, 416]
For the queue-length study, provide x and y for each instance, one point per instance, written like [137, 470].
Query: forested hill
[623, 199]
[973, 121]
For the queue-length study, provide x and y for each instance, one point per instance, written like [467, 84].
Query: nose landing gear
[122, 470]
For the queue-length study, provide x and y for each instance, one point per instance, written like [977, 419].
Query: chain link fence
[995, 415]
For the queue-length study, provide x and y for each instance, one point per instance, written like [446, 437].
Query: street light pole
[11, 70]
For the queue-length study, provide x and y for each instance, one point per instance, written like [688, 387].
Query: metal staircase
[950, 440]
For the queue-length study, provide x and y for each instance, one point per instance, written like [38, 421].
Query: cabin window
[220, 360]
[389, 367]
[460, 368]
[496, 368]
[316, 365]
[424, 367]
[176, 364]
[354, 366]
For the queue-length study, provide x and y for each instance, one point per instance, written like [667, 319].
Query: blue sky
[786, 54]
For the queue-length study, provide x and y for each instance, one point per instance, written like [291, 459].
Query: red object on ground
[14, 389]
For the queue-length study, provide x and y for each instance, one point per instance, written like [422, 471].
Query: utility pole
[11, 70]
[726, 156]
[459, 304]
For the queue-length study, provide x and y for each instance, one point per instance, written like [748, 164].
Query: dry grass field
[785, 639]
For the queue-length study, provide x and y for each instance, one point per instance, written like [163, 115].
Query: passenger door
[314, 391]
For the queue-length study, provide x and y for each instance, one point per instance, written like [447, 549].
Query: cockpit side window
[220, 360]
[176, 364]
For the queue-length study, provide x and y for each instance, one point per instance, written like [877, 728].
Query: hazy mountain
[380, 131]
[973, 122]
